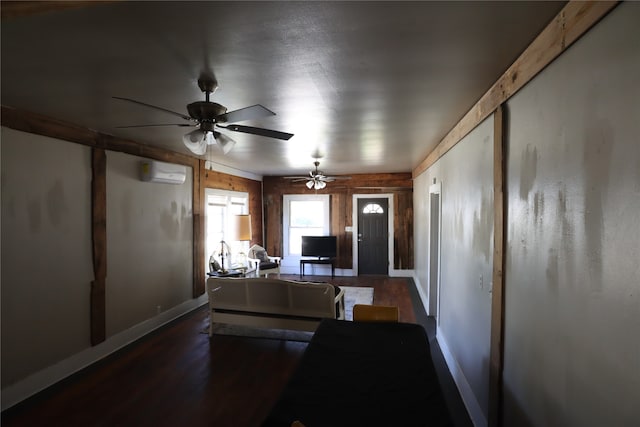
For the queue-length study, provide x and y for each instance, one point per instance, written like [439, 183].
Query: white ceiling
[370, 86]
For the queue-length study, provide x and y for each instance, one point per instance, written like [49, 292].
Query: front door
[373, 236]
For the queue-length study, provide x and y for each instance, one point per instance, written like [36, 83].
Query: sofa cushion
[268, 265]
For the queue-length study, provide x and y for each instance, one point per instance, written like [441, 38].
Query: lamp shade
[242, 227]
[225, 143]
[196, 141]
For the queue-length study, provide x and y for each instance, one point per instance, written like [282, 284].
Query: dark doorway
[373, 236]
[434, 256]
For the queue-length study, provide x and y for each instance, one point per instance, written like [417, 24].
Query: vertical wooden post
[198, 227]
[497, 295]
[99, 243]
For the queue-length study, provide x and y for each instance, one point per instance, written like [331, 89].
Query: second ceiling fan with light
[316, 180]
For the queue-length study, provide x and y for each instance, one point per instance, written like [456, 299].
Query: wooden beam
[99, 244]
[47, 126]
[198, 230]
[38, 124]
[14, 9]
[497, 293]
[574, 20]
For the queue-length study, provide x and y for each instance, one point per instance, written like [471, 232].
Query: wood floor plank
[179, 376]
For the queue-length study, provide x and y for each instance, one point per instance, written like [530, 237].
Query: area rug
[355, 295]
[352, 295]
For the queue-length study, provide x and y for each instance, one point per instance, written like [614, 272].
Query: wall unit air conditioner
[168, 173]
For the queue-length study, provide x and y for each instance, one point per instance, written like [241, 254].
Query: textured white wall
[149, 244]
[46, 252]
[466, 176]
[47, 257]
[572, 327]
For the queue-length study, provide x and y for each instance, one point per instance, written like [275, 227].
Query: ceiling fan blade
[248, 113]
[154, 107]
[165, 124]
[260, 131]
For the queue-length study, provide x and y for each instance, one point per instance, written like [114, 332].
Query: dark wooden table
[324, 261]
[363, 374]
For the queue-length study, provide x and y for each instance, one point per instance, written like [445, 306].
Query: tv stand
[318, 261]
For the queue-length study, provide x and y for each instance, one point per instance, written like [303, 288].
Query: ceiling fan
[209, 116]
[317, 179]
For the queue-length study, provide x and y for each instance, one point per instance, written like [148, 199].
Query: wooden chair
[263, 263]
[375, 313]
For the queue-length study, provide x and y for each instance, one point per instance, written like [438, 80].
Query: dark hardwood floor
[178, 376]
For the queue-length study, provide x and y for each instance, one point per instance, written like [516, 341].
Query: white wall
[46, 252]
[466, 177]
[151, 223]
[46, 258]
[572, 326]
[572, 279]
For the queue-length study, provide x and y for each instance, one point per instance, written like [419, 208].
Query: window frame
[286, 219]
[229, 196]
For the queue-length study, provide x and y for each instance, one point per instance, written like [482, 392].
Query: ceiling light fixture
[197, 141]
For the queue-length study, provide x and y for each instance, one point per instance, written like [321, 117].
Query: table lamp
[242, 228]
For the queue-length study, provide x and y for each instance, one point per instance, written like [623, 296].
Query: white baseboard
[466, 393]
[468, 397]
[423, 297]
[40, 380]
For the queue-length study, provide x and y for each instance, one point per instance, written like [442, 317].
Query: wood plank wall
[341, 193]
[223, 181]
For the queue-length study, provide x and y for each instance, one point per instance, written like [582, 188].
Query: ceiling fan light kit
[316, 185]
[207, 115]
[196, 142]
[316, 180]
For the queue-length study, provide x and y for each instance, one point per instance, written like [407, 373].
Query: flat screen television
[319, 246]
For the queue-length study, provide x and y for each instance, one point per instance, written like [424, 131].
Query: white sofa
[273, 303]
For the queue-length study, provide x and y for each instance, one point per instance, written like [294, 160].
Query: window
[372, 208]
[304, 215]
[220, 207]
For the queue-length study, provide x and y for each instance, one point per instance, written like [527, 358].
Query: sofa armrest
[339, 301]
[275, 259]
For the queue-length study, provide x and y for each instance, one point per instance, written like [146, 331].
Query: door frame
[433, 307]
[354, 221]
